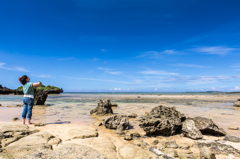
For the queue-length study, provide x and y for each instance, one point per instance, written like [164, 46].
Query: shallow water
[75, 108]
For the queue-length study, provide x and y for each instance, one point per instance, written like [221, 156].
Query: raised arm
[37, 84]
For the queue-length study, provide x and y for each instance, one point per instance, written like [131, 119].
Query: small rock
[15, 118]
[138, 96]
[230, 156]
[55, 141]
[58, 120]
[0, 105]
[206, 153]
[39, 124]
[232, 138]
[10, 106]
[19, 105]
[155, 142]
[145, 144]
[97, 123]
[132, 115]
[170, 152]
[128, 136]
[189, 103]
[171, 144]
[184, 146]
[233, 128]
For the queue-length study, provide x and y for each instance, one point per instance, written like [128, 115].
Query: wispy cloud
[110, 71]
[189, 65]
[158, 72]
[215, 50]
[2, 66]
[156, 54]
[93, 79]
[103, 50]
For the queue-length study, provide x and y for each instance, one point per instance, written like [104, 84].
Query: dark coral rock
[162, 120]
[103, 108]
[40, 97]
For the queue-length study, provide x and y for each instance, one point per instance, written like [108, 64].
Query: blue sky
[119, 45]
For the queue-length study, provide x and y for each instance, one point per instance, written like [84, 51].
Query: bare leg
[29, 122]
[23, 122]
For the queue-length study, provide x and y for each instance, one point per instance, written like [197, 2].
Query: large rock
[189, 130]
[118, 122]
[11, 132]
[162, 121]
[237, 103]
[208, 127]
[5, 90]
[103, 108]
[221, 146]
[40, 97]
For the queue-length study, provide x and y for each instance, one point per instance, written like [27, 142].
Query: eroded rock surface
[221, 146]
[118, 122]
[206, 153]
[208, 127]
[162, 121]
[189, 130]
[11, 132]
[103, 108]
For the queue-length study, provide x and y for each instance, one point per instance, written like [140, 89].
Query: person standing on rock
[28, 98]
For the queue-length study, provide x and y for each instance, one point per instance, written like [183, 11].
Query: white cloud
[216, 50]
[188, 65]
[12, 69]
[103, 50]
[213, 88]
[237, 88]
[110, 71]
[155, 89]
[158, 72]
[22, 69]
[117, 89]
[156, 54]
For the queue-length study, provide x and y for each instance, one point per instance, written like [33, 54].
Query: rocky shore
[162, 132]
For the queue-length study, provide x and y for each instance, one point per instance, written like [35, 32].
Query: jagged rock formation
[118, 122]
[162, 120]
[103, 108]
[208, 127]
[40, 97]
